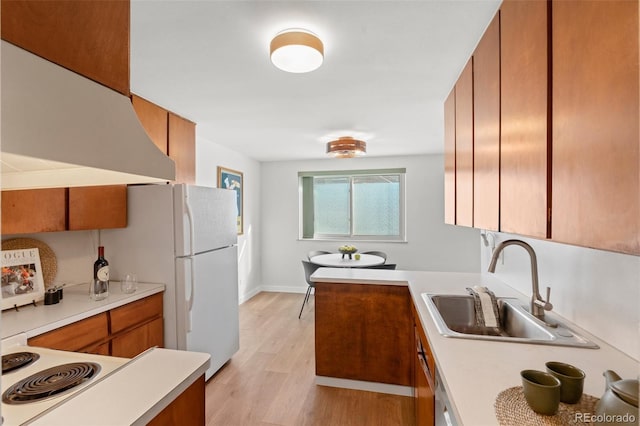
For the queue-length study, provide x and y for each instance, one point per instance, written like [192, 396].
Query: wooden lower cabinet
[125, 331]
[87, 336]
[138, 340]
[424, 380]
[364, 332]
[187, 409]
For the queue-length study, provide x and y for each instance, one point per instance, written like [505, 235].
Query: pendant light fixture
[346, 147]
[297, 51]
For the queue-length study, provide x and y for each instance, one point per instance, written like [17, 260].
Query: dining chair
[309, 268]
[382, 266]
[316, 253]
[377, 253]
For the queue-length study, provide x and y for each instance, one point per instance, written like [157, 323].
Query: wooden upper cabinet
[486, 129]
[596, 192]
[182, 148]
[98, 207]
[464, 146]
[174, 135]
[88, 37]
[525, 142]
[34, 210]
[154, 119]
[450, 158]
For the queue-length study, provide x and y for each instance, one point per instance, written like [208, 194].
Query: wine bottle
[99, 289]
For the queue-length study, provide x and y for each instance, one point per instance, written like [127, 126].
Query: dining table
[337, 260]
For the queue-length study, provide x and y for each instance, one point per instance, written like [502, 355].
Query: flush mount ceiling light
[297, 51]
[346, 147]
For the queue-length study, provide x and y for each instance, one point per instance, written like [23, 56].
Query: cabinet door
[187, 409]
[450, 158]
[182, 148]
[596, 193]
[97, 207]
[464, 146]
[424, 396]
[486, 129]
[88, 37]
[424, 384]
[138, 340]
[364, 332]
[83, 335]
[525, 145]
[154, 119]
[34, 210]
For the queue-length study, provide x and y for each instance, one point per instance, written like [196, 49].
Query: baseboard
[364, 386]
[283, 289]
[270, 289]
[244, 297]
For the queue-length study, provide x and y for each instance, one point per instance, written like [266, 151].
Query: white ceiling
[388, 67]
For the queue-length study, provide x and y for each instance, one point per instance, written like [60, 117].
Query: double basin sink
[455, 316]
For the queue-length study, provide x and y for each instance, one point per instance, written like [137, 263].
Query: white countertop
[473, 371]
[133, 395]
[139, 389]
[75, 306]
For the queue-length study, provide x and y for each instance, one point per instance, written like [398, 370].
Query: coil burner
[17, 360]
[50, 383]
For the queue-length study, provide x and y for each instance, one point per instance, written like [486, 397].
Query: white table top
[335, 260]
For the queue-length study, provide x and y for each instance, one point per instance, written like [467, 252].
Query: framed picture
[233, 179]
[22, 281]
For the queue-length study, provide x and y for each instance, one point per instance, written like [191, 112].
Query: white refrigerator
[184, 236]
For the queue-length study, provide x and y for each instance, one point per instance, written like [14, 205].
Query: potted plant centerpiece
[348, 250]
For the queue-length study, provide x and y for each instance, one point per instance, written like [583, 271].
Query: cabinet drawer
[138, 340]
[76, 336]
[136, 313]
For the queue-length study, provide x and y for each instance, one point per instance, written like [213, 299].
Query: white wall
[431, 245]
[210, 155]
[598, 290]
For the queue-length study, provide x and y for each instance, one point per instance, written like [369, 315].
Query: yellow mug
[357, 256]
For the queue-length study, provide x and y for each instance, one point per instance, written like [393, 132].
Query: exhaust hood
[60, 129]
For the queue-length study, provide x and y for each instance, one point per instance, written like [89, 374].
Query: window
[358, 205]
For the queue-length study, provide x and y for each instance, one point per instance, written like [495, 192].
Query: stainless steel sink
[455, 316]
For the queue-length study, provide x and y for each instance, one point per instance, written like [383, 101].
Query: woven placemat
[48, 260]
[512, 410]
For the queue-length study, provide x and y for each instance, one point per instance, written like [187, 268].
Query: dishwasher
[443, 411]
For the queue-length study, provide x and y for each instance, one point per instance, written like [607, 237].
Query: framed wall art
[233, 179]
[22, 281]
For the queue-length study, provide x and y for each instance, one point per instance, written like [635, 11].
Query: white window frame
[401, 173]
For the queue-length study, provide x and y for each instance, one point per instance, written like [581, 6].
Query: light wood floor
[270, 381]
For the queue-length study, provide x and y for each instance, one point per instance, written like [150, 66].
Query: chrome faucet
[538, 304]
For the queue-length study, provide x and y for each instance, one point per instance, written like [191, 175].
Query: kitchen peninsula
[158, 386]
[465, 366]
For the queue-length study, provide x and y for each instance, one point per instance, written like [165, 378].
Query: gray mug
[541, 390]
[571, 380]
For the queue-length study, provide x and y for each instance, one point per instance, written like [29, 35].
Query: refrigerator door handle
[187, 207]
[192, 285]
